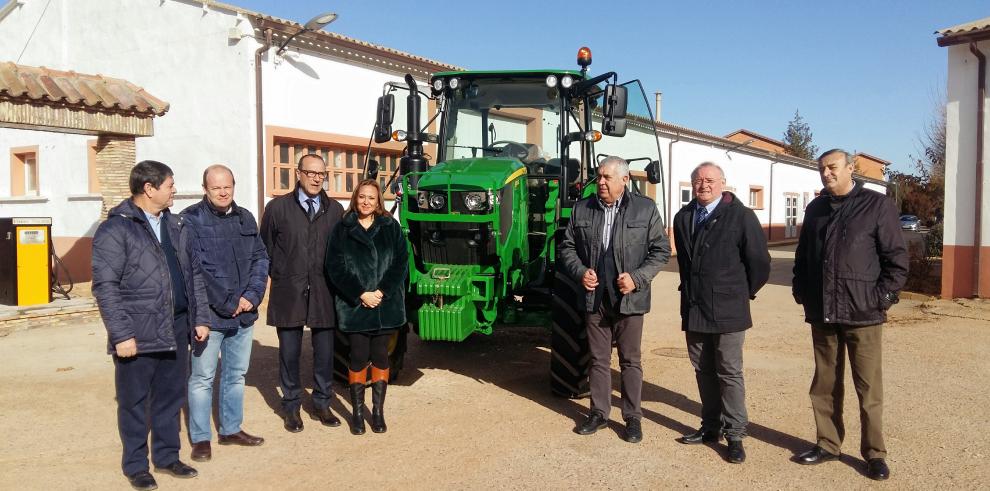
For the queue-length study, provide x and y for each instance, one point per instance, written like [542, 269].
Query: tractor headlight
[566, 81]
[438, 201]
[476, 201]
[551, 80]
[453, 83]
[438, 84]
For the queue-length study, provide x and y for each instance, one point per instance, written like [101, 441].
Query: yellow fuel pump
[25, 261]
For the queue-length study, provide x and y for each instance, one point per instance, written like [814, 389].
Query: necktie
[701, 216]
[310, 209]
[699, 219]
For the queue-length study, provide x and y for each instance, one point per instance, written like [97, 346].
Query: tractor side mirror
[371, 170]
[383, 119]
[614, 110]
[653, 172]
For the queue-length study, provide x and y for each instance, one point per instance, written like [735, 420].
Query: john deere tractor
[514, 151]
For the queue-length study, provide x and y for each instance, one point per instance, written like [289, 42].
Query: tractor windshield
[514, 117]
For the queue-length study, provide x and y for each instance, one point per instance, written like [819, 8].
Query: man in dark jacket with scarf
[850, 264]
[225, 244]
[144, 287]
[295, 228]
[614, 245]
[723, 260]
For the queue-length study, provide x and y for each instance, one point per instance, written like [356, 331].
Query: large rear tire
[570, 359]
[342, 351]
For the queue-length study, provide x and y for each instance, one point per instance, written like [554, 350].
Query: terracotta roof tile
[674, 128]
[436, 65]
[40, 84]
[758, 136]
[967, 28]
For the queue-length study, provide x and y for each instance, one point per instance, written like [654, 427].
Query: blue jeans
[233, 346]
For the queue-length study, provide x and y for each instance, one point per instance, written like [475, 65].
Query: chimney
[659, 101]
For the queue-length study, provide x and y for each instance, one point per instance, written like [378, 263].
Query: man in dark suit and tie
[723, 260]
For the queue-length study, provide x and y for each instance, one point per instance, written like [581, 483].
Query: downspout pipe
[770, 205]
[259, 120]
[981, 94]
[670, 177]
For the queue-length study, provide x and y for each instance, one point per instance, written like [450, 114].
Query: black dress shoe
[816, 455]
[142, 480]
[327, 418]
[700, 436]
[877, 469]
[736, 454]
[634, 430]
[201, 451]
[241, 438]
[293, 423]
[594, 423]
[178, 469]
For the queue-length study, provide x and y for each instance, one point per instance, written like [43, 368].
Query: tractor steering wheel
[512, 149]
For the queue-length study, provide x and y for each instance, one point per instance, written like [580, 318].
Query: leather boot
[379, 382]
[357, 381]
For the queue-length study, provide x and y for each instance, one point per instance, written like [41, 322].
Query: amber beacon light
[584, 57]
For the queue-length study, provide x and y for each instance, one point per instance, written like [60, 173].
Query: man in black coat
[850, 264]
[614, 245]
[295, 228]
[148, 299]
[723, 260]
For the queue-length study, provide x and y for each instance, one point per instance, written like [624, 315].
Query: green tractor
[514, 151]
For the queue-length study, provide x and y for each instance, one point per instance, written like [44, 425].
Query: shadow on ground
[518, 360]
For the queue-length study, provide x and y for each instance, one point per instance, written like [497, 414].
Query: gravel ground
[479, 414]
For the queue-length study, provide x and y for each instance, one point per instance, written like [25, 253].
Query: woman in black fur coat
[367, 264]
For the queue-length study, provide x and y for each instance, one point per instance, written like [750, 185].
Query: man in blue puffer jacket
[225, 245]
[148, 299]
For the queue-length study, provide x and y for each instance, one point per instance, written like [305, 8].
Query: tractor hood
[488, 173]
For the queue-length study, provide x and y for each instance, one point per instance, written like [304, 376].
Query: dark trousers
[718, 367]
[369, 347]
[151, 388]
[831, 342]
[603, 327]
[289, 351]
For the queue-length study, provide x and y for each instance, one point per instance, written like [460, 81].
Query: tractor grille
[453, 243]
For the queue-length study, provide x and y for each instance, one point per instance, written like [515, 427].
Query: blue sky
[866, 75]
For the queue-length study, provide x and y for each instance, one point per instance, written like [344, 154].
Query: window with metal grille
[345, 166]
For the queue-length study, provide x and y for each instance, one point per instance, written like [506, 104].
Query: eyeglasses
[699, 181]
[313, 174]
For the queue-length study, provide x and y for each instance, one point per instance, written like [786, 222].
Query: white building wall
[177, 51]
[789, 178]
[742, 170]
[960, 150]
[965, 263]
[313, 92]
[309, 91]
[63, 182]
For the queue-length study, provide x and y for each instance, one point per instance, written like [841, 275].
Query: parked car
[910, 222]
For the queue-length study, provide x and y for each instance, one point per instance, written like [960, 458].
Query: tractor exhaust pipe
[413, 161]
